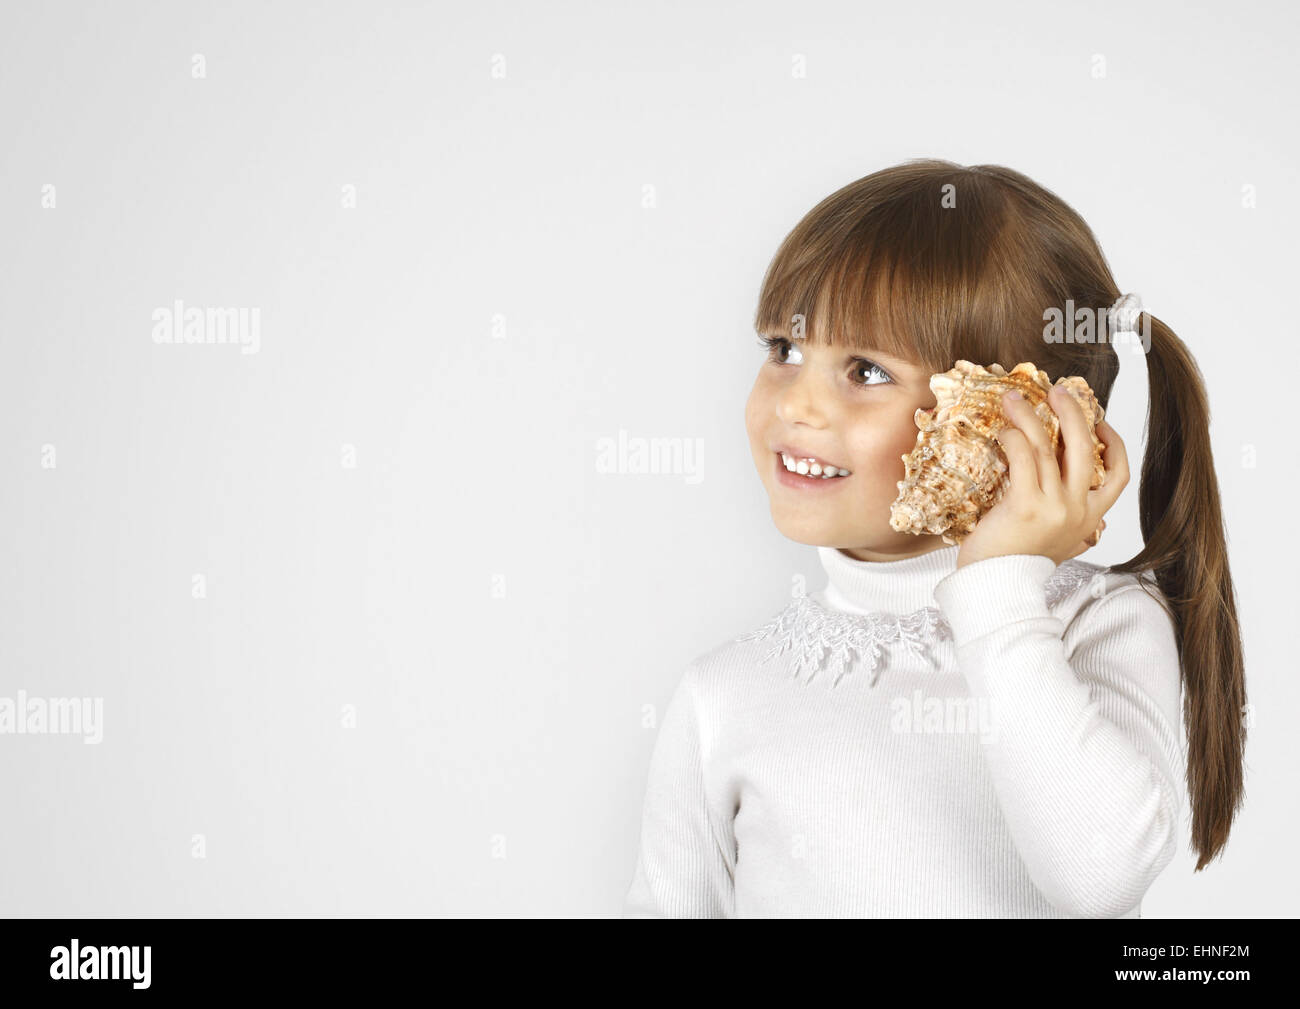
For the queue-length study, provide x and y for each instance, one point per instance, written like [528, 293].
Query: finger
[1082, 548]
[1115, 454]
[1115, 459]
[1094, 537]
[1034, 429]
[1076, 433]
[1088, 542]
[1020, 458]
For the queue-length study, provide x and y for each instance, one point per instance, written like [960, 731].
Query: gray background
[535, 261]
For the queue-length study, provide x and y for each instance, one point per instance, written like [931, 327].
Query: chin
[799, 532]
[811, 534]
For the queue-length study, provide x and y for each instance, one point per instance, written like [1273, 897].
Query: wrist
[984, 597]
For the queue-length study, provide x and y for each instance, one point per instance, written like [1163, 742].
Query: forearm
[1085, 761]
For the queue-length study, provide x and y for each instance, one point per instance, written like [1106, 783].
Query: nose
[802, 401]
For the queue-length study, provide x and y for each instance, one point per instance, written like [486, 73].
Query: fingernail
[1014, 395]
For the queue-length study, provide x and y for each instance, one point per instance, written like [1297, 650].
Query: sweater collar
[897, 587]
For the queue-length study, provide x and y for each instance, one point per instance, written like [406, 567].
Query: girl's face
[852, 409]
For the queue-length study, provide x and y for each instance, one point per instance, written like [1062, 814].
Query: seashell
[957, 471]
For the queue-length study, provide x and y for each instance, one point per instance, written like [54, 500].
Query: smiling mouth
[812, 469]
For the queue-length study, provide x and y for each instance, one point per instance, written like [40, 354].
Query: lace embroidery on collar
[814, 633]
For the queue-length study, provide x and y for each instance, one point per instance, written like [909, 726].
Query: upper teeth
[811, 467]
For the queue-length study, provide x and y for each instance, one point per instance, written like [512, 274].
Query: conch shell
[956, 471]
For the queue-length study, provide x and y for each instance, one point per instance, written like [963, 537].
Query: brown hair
[934, 262]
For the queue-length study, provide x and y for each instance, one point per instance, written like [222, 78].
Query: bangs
[885, 265]
[856, 301]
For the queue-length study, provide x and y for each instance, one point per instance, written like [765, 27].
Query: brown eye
[861, 365]
[775, 345]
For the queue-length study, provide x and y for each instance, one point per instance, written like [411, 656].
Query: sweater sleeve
[682, 868]
[1086, 758]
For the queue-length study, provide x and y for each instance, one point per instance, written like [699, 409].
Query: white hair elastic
[1123, 315]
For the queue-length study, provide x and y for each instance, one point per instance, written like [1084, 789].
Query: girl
[1014, 750]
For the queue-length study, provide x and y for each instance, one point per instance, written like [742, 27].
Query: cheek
[751, 413]
[882, 450]
[757, 409]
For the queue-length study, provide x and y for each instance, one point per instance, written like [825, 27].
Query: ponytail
[1186, 550]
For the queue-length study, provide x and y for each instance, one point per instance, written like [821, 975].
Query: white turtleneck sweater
[1013, 751]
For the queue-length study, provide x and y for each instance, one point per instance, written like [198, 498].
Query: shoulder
[736, 663]
[1082, 595]
[1120, 619]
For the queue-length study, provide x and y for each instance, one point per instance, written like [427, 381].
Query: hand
[1043, 510]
